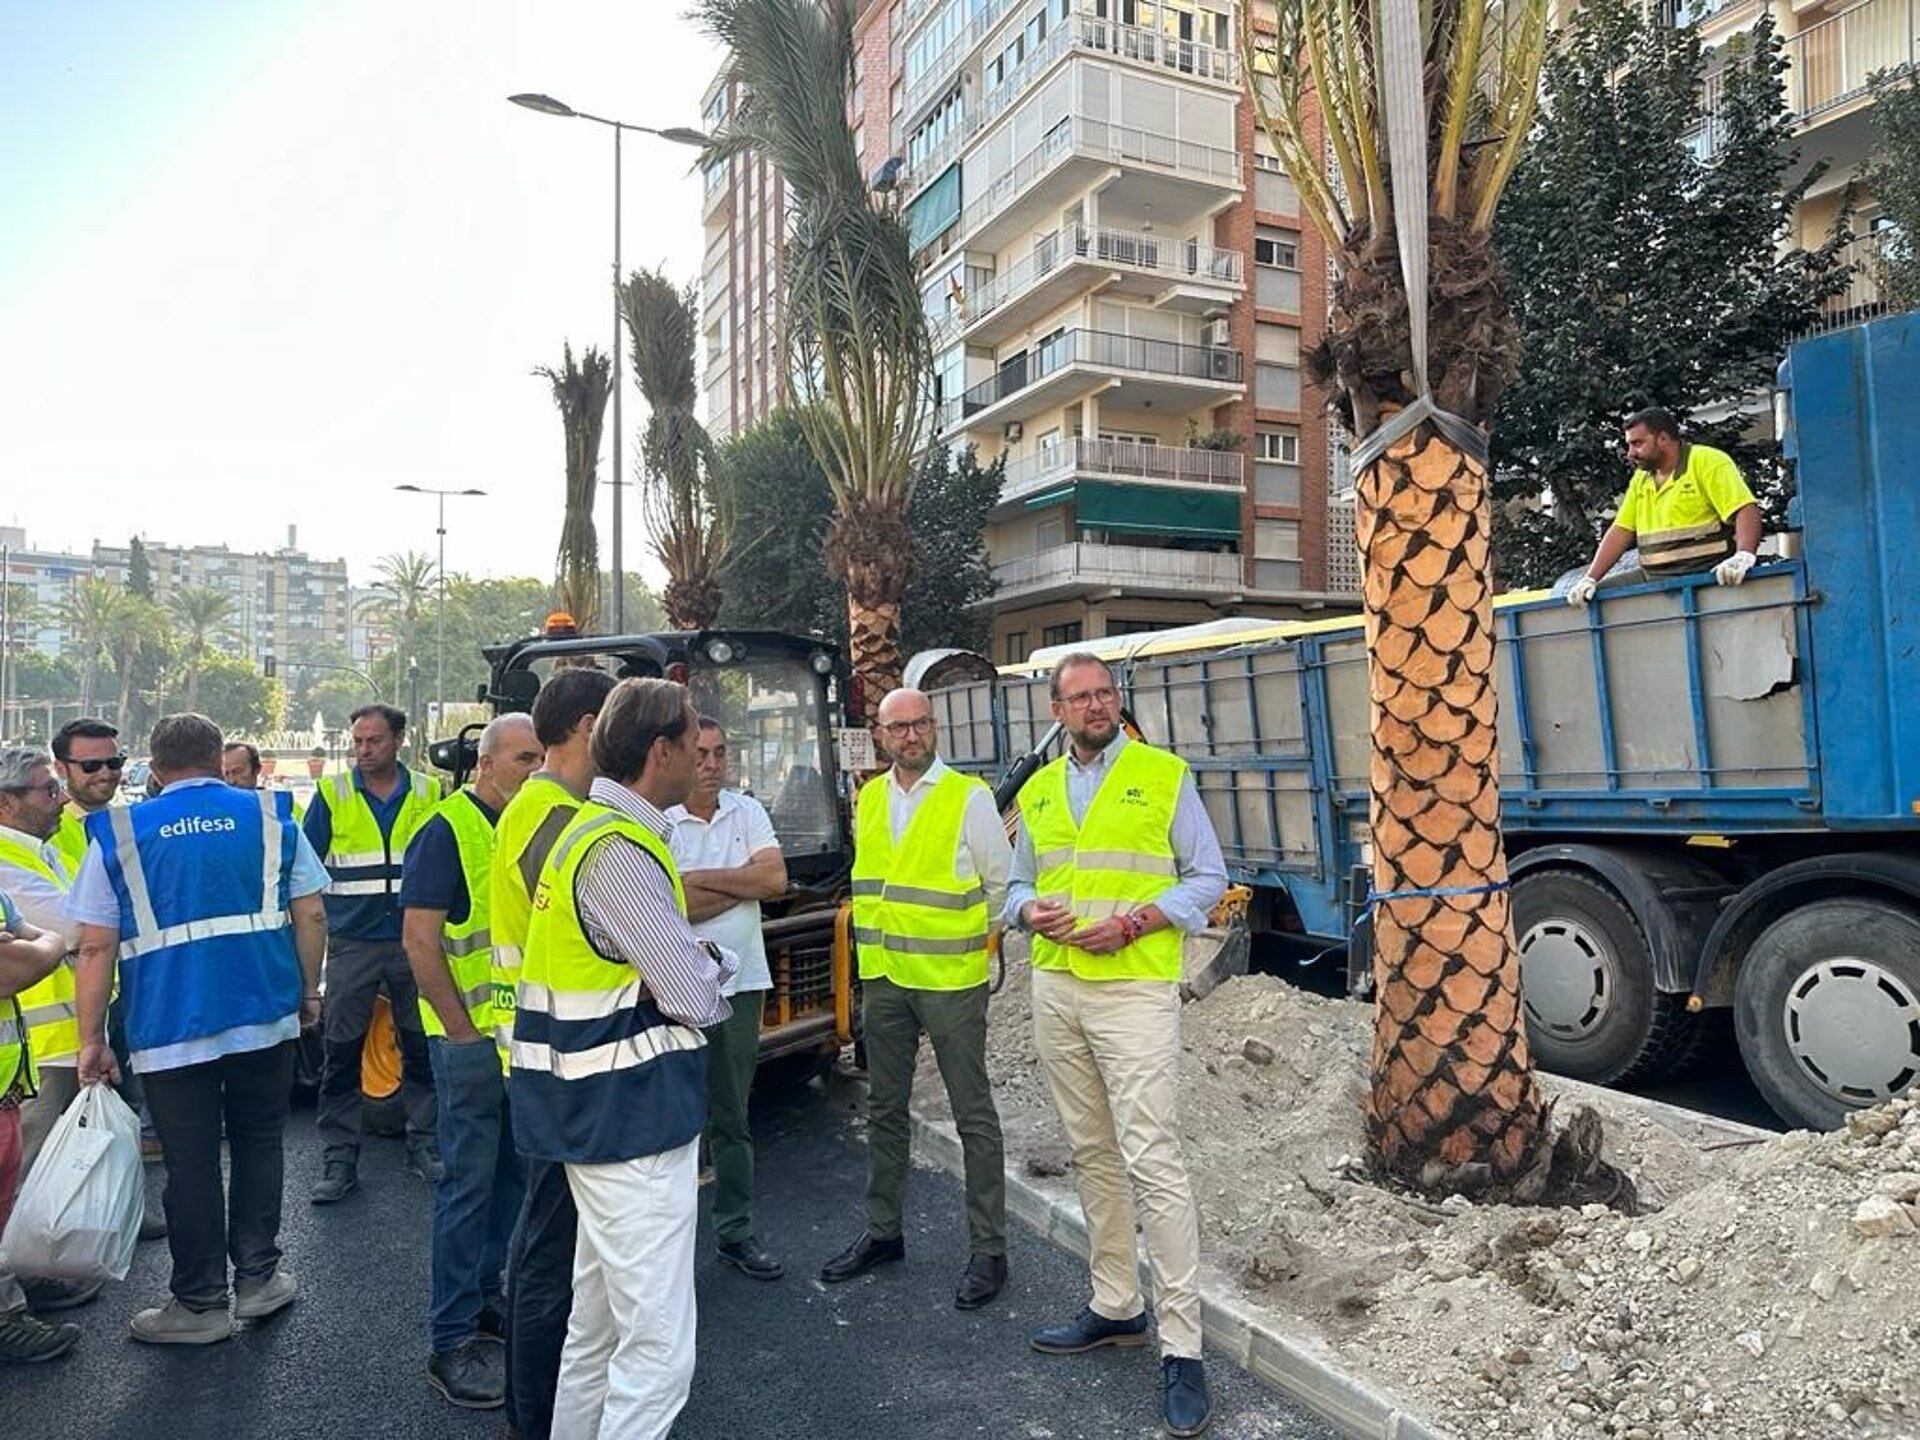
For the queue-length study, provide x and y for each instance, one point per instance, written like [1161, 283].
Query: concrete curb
[1305, 1370]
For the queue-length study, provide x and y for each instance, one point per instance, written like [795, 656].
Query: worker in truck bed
[1686, 507]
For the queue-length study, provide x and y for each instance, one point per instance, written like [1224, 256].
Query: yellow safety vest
[359, 859]
[47, 1006]
[1118, 859]
[915, 920]
[468, 946]
[16, 1055]
[71, 838]
[523, 839]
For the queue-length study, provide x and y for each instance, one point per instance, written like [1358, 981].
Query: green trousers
[955, 1021]
[733, 1047]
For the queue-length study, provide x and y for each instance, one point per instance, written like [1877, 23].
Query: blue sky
[260, 262]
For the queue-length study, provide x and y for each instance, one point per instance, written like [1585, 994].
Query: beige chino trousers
[1111, 1054]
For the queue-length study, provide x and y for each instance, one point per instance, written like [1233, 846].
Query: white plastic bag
[78, 1213]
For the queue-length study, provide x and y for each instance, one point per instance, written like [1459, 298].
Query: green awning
[1149, 509]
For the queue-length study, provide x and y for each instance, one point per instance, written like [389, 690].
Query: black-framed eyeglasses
[115, 763]
[49, 788]
[899, 729]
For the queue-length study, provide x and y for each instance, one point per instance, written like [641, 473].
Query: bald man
[444, 916]
[929, 873]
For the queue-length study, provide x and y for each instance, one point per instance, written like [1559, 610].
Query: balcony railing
[1832, 61]
[1865, 297]
[1151, 254]
[1120, 144]
[1095, 347]
[1122, 458]
[1133, 566]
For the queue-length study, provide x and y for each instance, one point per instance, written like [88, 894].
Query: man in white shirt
[729, 862]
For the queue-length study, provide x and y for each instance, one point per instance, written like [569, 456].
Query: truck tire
[1827, 1009]
[1592, 1008]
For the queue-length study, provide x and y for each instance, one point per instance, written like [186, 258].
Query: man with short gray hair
[445, 916]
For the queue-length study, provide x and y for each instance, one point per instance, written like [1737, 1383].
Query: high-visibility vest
[16, 1053]
[467, 946]
[1118, 859]
[47, 1006]
[70, 839]
[522, 840]
[359, 859]
[599, 1074]
[916, 921]
[203, 876]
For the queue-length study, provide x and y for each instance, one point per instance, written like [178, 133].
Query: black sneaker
[472, 1375]
[25, 1340]
[45, 1297]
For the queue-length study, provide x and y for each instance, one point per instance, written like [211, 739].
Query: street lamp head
[545, 104]
[681, 135]
[411, 489]
[473, 492]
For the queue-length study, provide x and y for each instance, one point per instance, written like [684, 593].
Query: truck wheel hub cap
[1854, 1029]
[1565, 978]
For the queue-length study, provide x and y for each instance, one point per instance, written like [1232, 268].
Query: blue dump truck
[1711, 796]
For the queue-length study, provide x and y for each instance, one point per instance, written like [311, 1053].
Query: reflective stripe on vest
[529, 825]
[1117, 860]
[599, 1074]
[16, 1052]
[468, 946]
[915, 920]
[359, 859]
[48, 1005]
[1686, 551]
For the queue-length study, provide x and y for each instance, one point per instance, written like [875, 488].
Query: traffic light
[267, 666]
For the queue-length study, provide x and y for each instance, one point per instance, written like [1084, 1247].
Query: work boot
[45, 1297]
[424, 1160]
[1184, 1402]
[338, 1180]
[153, 1226]
[174, 1324]
[257, 1299]
[984, 1277]
[749, 1259]
[1089, 1331]
[25, 1340]
[862, 1255]
[472, 1375]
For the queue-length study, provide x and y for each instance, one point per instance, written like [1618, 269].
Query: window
[1282, 446]
[1277, 251]
[1068, 634]
[1276, 344]
[1050, 531]
[1016, 646]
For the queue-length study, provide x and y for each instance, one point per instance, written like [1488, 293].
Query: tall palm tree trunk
[1453, 1084]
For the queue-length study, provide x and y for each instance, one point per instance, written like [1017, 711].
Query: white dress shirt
[738, 831]
[984, 850]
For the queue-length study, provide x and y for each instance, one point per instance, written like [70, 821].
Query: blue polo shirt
[433, 878]
[359, 917]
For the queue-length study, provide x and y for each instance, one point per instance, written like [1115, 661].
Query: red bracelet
[1133, 927]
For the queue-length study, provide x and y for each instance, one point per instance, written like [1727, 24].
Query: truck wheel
[1586, 980]
[1827, 1009]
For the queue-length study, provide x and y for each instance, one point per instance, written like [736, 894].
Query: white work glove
[1733, 569]
[1581, 591]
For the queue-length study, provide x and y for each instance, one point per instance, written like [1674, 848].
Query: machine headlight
[720, 652]
[822, 663]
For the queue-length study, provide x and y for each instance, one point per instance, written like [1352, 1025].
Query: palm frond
[580, 392]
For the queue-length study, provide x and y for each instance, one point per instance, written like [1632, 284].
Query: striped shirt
[626, 903]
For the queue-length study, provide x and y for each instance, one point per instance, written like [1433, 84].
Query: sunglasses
[115, 763]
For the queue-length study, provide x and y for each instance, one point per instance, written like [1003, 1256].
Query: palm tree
[581, 392]
[406, 582]
[89, 614]
[142, 644]
[856, 341]
[1453, 1101]
[201, 616]
[684, 511]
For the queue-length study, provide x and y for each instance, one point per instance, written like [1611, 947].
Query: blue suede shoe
[1088, 1331]
[1184, 1402]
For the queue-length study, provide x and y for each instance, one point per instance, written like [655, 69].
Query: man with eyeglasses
[1114, 860]
[929, 874]
[87, 755]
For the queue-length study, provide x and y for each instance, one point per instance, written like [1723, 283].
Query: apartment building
[1121, 289]
[1832, 51]
[743, 217]
[37, 583]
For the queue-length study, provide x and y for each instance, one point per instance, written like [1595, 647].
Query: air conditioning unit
[1013, 432]
[1220, 364]
[1216, 333]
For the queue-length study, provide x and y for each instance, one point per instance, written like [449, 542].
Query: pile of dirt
[1770, 1298]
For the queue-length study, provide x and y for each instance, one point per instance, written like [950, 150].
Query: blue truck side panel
[1853, 434]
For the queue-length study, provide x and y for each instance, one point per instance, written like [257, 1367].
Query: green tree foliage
[1893, 175]
[139, 569]
[777, 576]
[235, 696]
[1642, 274]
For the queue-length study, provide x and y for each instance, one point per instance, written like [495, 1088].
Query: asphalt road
[886, 1356]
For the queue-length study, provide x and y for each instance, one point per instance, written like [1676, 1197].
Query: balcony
[1171, 175]
[1132, 569]
[1865, 297]
[1120, 460]
[1176, 376]
[1832, 61]
[1173, 274]
[937, 78]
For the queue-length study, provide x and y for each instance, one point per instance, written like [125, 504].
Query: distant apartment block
[37, 583]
